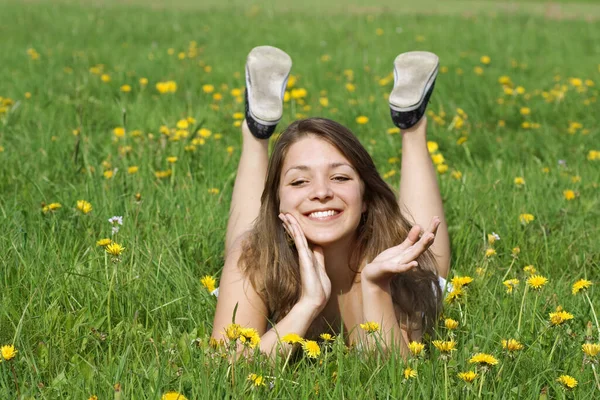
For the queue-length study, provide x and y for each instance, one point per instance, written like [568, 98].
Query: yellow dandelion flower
[232, 331]
[205, 133]
[103, 242]
[483, 359]
[84, 206]
[51, 207]
[525, 111]
[163, 174]
[530, 269]
[485, 60]
[108, 174]
[172, 160]
[569, 194]
[249, 337]
[133, 169]
[327, 337]
[173, 396]
[93, 397]
[457, 175]
[119, 131]
[526, 218]
[410, 373]
[560, 316]
[460, 281]
[468, 376]
[324, 101]
[416, 348]
[350, 87]
[208, 88]
[143, 81]
[580, 285]
[311, 348]
[8, 352]
[362, 119]
[490, 252]
[370, 327]
[125, 88]
[511, 345]
[568, 382]
[114, 249]
[393, 131]
[445, 347]
[537, 282]
[213, 191]
[432, 146]
[292, 338]
[257, 380]
[442, 168]
[105, 78]
[591, 349]
[519, 181]
[510, 284]
[516, 251]
[208, 282]
[437, 158]
[450, 324]
[455, 295]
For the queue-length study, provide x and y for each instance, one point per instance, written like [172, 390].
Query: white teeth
[322, 214]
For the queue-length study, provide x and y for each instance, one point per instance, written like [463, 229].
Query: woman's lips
[325, 219]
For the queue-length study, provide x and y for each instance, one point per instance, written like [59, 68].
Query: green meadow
[134, 107]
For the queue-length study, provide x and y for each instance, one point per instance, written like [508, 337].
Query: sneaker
[267, 72]
[414, 78]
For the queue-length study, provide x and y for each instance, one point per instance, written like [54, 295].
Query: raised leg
[419, 192]
[248, 187]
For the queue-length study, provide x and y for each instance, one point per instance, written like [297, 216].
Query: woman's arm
[236, 291]
[376, 278]
[379, 307]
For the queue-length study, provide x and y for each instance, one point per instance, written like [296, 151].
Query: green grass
[82, 323]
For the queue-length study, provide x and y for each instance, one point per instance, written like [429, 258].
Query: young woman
[328, 246]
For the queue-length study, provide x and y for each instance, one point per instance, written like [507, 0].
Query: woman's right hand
[316, 286]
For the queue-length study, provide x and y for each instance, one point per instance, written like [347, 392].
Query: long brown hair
[272, 266]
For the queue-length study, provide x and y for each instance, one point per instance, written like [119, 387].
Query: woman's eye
[297, 183]
[343, 178]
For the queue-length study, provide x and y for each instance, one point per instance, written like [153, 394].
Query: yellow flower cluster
[370, 327]
[84, 206]
[166, 87]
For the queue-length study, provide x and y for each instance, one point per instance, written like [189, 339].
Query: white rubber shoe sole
[414, 73]
[267, 72]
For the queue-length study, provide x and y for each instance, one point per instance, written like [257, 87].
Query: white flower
[116, 220]
[115, 230]
[496, 236]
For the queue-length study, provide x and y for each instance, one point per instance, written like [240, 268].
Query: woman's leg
[419, 192]
[248, 187]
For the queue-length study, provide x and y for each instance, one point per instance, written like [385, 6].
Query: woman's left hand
[400, 258]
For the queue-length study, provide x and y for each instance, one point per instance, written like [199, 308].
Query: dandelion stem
[108, 313]
[509, 269]
[553, 348]
[594, 314]
[533, 312]
[596, 376]
[446, 379]
[481, 382]
[12, 367]
[521, 310]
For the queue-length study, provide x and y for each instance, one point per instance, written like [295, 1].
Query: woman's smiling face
[322, 190]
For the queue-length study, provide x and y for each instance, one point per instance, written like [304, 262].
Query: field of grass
[514, 115]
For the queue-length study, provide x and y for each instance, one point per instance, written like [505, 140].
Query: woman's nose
[321, 190]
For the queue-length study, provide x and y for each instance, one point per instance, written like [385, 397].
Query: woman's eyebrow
[307, 168]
